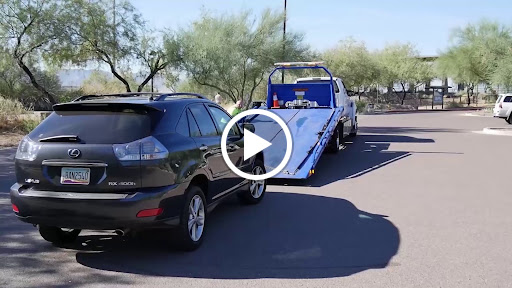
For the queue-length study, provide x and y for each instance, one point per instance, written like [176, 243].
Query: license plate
[76, 176]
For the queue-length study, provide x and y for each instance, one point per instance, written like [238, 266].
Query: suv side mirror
[249, 127]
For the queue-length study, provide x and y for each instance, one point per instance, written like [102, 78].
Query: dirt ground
[8, 139]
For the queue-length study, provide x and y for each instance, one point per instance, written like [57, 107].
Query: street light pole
[284, 41]
[115, 32]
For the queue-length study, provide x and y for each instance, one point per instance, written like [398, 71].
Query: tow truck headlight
[27, 150]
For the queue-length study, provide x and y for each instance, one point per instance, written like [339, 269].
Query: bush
[361, 106]
[70, 95]
[12, 118]
[10, 107]
[29, 125]
[453, 104]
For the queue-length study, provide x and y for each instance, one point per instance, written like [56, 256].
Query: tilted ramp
[310, 130]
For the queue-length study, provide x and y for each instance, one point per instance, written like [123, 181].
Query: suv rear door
[77, 148]
[208, 141]
[234, 141]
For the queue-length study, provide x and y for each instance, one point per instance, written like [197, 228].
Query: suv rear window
[95, 127]
[508, 99]
[222, 119]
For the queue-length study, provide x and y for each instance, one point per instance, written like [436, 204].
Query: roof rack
[125, 94]
[165, 95]
[161, 96]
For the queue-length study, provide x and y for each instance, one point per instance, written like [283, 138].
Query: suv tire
[192, 220]
[257, 189]
[509, 119]
[56, 235]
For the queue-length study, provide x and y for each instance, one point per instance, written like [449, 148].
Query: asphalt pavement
[416, 200]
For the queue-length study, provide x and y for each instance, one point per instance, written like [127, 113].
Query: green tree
[93, 36]
[114, 36]
[352, 61]
[32, 28]
[233, 54]
[155, 55]
[15, 83]
[400, 63]
[192, 86]
[480, 53]
[503, 73]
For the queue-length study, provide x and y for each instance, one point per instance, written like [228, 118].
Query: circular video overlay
[279, 167]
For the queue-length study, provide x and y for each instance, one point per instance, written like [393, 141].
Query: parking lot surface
[417, 200]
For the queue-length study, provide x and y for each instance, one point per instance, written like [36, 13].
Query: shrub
[10, 107]
[70, 95]
[29, 125]
[12, 118]
[361, 106]
[454, 104]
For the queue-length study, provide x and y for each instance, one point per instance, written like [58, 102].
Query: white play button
[253, 144]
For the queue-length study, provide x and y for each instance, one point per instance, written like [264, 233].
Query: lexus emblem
[74, 153]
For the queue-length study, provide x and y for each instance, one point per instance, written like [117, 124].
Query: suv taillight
[145, 149]
[27, 150]
[501, 105]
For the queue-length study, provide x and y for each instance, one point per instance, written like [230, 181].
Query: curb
[476, 115]
[497, 131]
[426, 110]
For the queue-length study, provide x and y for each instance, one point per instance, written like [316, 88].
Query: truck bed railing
[297, 66]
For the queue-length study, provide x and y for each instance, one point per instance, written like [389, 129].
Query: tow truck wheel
[353, 131]
[334, 143]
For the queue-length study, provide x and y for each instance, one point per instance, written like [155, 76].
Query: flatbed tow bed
[318, 120]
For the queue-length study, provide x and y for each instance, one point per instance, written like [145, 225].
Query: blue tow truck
[318, 112]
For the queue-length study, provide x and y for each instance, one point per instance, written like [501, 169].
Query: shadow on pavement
[287, 236]
[29, 261]
[365, 154]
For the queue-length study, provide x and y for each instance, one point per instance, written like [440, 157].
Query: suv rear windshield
[95, 127]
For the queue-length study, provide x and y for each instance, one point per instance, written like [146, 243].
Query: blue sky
[427, 24]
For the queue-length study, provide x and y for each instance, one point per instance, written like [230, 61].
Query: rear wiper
[61, 138]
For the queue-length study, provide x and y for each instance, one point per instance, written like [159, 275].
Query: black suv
[131, 161]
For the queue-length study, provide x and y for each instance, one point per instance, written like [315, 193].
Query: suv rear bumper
[102, 211]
